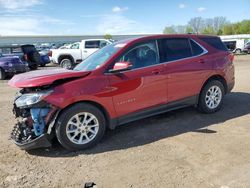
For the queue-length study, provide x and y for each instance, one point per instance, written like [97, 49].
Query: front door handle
[156, 71]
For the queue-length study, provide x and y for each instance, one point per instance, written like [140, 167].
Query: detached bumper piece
[22, 137]
[39, 142]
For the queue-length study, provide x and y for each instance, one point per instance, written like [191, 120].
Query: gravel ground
[182, 148]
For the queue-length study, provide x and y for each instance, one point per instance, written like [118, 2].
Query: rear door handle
[201, 61]
[156, 71]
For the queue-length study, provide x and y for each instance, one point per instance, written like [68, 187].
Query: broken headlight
[31, 98]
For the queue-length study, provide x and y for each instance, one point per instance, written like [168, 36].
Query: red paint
[133, 90]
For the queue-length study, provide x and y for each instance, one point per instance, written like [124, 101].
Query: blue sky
[58, 17]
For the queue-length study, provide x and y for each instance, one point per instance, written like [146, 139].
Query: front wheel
[80, 127]
[211, 97]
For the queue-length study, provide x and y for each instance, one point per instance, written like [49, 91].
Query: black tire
[66, 63]
[238, 51]
[2, 74]
[33, 67]
[203, 104]
[68, 115]
[43, 65]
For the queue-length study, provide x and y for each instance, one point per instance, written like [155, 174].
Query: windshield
[98, 58]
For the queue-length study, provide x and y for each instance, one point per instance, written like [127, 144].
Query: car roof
[159, 36]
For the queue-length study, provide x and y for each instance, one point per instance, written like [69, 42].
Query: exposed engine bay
[35, 118]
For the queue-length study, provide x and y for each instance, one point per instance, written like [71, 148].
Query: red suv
[120, 83]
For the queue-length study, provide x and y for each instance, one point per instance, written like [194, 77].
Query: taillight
[25, 56]
[231, 57]
[50, 53]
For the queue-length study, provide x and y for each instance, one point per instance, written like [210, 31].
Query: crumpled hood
[44, 77]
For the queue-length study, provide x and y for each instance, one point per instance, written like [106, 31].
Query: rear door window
[92, 44]
[172, 49]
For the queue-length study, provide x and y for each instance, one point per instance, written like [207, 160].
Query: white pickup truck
[77, 52]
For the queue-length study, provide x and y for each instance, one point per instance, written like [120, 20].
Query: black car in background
[26, 53]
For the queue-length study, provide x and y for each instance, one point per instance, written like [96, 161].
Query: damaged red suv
[120, 83]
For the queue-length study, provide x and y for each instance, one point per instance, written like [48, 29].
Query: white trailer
[235, 43]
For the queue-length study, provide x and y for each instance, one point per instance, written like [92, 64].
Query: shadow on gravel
[155, 128]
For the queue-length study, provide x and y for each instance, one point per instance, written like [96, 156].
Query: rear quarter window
[196, 49]
[215, 42]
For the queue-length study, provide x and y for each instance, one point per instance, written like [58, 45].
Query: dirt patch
[182, 148]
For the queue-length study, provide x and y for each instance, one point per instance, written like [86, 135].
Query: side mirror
[121, 66]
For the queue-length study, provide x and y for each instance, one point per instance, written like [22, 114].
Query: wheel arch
[94, 103]
[64, 56]
[216, 77]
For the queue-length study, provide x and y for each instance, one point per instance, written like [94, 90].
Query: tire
[33, 67]
[66, 63]
[238, 51]
[211, 103]
[43, 65]
[73, 134]
[2, 74]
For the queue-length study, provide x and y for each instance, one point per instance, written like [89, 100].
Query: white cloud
[181, 6]
[201, 9]
[17, 5]
[31, 25]
[119, 24]
[119, 9]
[18, 26]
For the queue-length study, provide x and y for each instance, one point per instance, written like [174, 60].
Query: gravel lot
[182, 148]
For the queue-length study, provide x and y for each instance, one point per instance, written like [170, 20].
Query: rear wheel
[66, 63]
[80, 127]
[2, 74]
[33, 67]
[238, 51]
[211, 97]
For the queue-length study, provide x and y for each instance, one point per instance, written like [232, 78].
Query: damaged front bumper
[34, 128]
[43, 141]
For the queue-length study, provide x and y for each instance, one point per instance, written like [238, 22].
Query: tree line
[214, 26]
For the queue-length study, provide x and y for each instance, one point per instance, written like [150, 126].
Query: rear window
[196, 49]
[175, 48]
[214, 42]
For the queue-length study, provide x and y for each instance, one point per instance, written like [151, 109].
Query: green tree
[189, 29]
[169, 30]
[228, 29]
[244, 27]
[196, 24]
[108, 36]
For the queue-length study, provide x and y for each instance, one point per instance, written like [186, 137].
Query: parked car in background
[44, 58]
[76, 52]
[27, 53]
[235, 45]
[10, 65]
[120, 83]
[247, 48]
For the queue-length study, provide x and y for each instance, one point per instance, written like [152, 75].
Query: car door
[185, 65]
[144, 85]
[75, 51]
[90, 47]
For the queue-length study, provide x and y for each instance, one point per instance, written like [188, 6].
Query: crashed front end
[35, 118]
